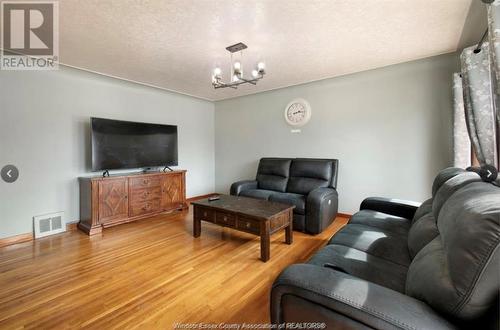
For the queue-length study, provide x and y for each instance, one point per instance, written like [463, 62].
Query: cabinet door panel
[113, 200]
[172, 191]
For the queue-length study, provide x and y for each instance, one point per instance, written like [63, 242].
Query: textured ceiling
[175, 44]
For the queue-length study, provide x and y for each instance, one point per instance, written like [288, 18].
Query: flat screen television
[118, 144]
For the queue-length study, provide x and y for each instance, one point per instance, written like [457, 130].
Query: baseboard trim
[195, 198]
[28, 237]
[22, 238]
[344, 215]
[72, 226]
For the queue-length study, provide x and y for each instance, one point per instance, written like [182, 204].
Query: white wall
[44, 131]
[390, 128]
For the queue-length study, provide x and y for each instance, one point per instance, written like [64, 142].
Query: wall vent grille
[49, 224]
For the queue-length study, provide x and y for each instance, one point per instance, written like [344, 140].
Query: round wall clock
[298, 112]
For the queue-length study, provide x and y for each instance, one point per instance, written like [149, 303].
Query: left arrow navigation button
[9, 173]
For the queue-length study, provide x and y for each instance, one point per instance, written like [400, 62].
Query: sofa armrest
[396, 207]
[239, 186]
[321, 209]
[344, 301]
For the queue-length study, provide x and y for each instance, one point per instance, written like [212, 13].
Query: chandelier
[237, 77]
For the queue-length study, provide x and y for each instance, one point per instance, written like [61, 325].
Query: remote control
[213, 198]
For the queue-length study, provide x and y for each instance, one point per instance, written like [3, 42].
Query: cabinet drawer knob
[247, 224]
[204, 214]
[225, 219]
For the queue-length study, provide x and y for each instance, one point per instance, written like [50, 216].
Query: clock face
[298, 112]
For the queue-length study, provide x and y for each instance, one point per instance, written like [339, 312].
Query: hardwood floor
[147, 274]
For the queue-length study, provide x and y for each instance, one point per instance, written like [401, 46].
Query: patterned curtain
[494, 38]
[461, 141]
[494, 41]
[480, 110]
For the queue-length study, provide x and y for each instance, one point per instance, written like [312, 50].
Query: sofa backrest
[424, 226]
[443, 176]
[273, 173]
[456, 273]
[307, 174]
[451, 186]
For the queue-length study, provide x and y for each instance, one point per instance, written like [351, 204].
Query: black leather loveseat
[309, 184]
[399, 266]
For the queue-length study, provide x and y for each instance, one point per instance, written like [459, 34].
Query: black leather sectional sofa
[309, 184]
[397, 265]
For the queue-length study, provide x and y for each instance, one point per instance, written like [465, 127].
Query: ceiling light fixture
[237, 77]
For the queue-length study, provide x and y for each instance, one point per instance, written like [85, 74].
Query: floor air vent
[49, 224]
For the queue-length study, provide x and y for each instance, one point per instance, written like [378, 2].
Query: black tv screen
[120, 144]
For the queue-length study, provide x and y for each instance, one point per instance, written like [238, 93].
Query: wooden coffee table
[254, 216]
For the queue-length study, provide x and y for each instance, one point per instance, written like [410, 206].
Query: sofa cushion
[273, 173]
[424, 227]
[377, 242]
[309, 174]
[448, 188]
[457, 272]
[362, 265]
[257, 193]
[381, 221]
[303, 186]
[422, 232]
[425, 208]
[292, 199]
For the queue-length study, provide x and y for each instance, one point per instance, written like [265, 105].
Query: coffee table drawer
[205, 214]
[225, 219]
[248, 225]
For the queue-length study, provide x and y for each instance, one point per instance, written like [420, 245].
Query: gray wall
[390, 128]
[475, 24]
[44, 131]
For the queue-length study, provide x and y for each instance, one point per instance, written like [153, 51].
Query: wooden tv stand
[110, 201]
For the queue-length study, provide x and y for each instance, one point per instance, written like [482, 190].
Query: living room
[250, 164]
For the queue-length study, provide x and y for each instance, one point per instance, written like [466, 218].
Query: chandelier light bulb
[237, 65]
[217, 72]
[261, 66]
[255, 73]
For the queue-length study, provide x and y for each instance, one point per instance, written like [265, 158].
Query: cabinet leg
[89, 230]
